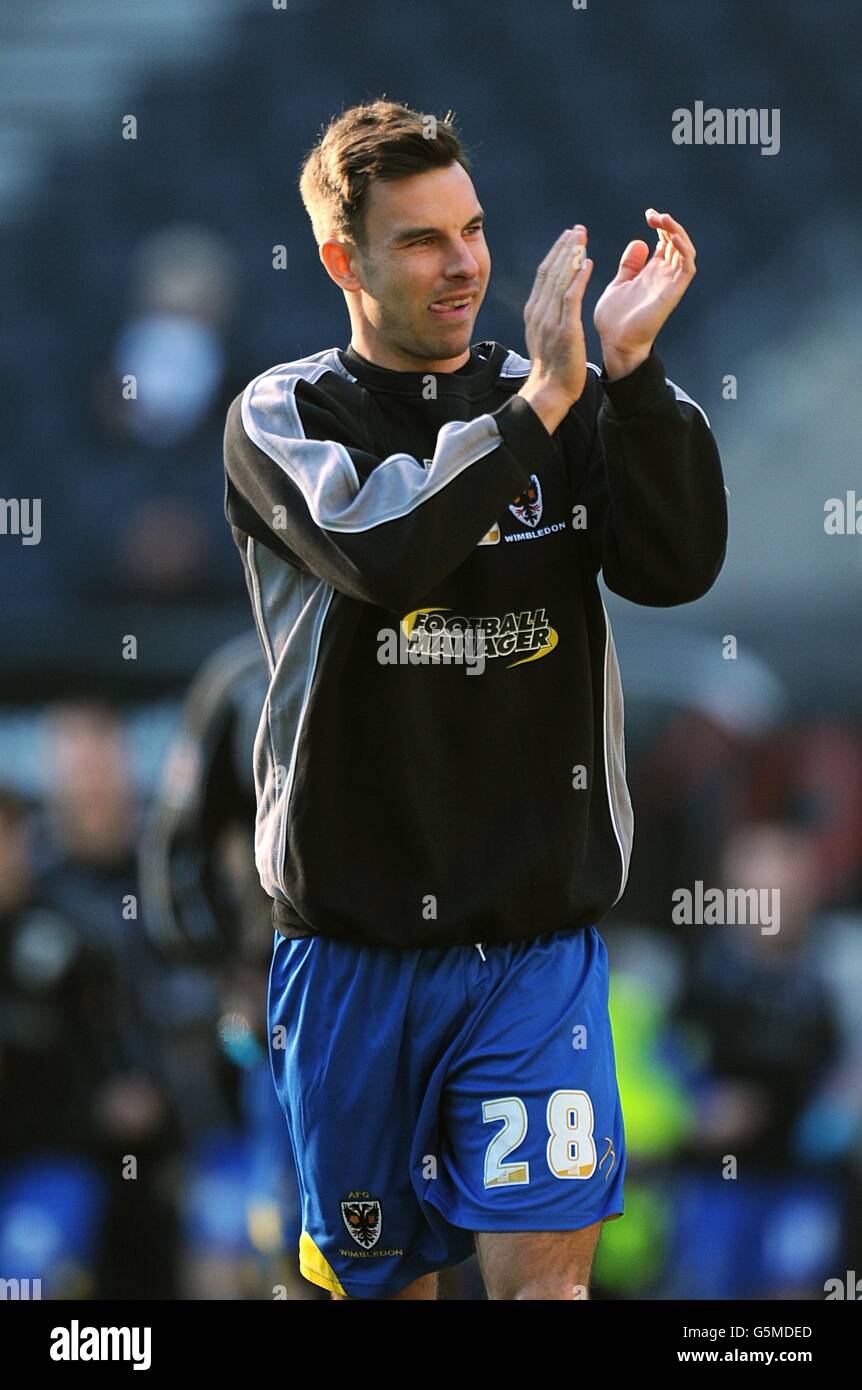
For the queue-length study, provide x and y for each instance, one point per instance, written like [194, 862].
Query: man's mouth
[453, 307]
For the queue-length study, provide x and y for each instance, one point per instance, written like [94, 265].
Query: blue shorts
[434, 1092]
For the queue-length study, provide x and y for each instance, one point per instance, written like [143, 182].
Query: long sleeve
[300, 479]
[656, 509]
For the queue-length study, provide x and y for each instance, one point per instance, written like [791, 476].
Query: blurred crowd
[142, 1150]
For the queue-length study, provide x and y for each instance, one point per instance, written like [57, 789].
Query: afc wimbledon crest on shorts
[363, 1220]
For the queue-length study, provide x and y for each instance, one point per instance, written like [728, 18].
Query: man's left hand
[644, 294]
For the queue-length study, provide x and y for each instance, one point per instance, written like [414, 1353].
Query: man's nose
[462, 262]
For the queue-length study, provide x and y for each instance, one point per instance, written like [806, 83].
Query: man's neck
[381, 356]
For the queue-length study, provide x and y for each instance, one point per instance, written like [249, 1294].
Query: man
[443, 823]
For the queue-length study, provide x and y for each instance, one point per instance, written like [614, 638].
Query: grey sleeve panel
[324, 471]
[381, 530]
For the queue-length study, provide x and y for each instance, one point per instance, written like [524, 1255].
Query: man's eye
[427, 240]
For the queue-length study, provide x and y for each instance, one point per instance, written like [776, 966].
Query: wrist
[619, 364]
[550, 404]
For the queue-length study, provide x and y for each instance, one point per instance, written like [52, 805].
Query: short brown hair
[375, 140]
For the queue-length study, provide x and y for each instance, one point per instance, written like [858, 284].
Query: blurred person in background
[67, 1112]
[49, 978]
[759, 1010]
[92, 815]
[88, 874]
[705, 771]
[51, 1197]
[206, 911]
[655, 1074]
[153, 434]
[695, 734]
[811, 769]
[684, 785]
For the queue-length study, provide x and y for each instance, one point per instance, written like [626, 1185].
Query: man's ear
[339, 258]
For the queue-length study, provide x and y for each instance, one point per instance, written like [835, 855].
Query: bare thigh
[537, 1264]
[426, 1287]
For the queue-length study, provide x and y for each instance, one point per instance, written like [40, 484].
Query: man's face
[424, 244]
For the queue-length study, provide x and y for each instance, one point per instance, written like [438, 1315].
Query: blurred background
[149, 154]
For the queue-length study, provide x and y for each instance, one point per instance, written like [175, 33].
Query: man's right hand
[554, 331]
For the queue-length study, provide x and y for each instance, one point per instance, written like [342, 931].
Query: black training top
[440, 756]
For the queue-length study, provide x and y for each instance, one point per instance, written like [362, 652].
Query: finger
[573, 277]
[560, 273]
[671, 249]
[577, 274]
[579, 248]
[551, 253]
[545, 269]
[542, 270]
[678, 253]
[555, 257]
[573, 263]
[573, 245]
[674, 231]
[676, 258]
[684, 251]
[573, 298]
[632, 261]
[662, 243]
